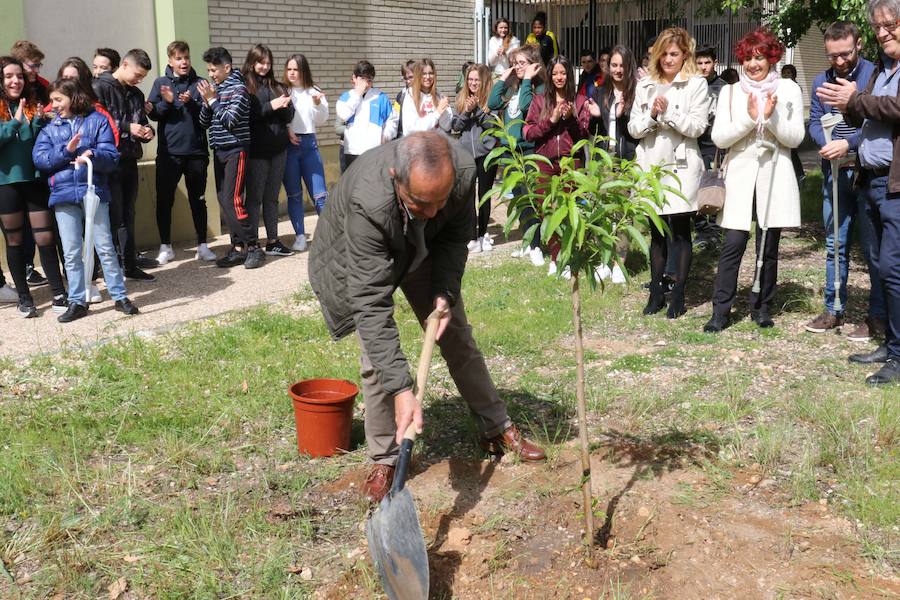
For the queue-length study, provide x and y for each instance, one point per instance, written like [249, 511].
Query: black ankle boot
[762, 318]
[657, 300]
[676, 304]
[716, 324]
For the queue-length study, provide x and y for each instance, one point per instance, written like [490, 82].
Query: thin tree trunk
[581, 402]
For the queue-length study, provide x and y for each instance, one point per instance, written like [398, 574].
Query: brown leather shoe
[512, 441]
[378, 483]
[868, 329]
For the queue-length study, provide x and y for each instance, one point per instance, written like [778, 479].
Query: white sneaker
[537, 257]
[567, 273]
[602, 272]
[617, 275]
[204, 253]
[487, 244]
[8, 294]
[93, 296]
[552, 270]
[519, 253]
[299, 244]
[474, 246]
[165, 255]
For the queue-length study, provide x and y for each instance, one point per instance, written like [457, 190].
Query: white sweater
[307, 114]
[428, 120]
[500, 62]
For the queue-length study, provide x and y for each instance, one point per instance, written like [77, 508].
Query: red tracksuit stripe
[239, 209]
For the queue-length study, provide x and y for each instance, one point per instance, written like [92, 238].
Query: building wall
[335, 35]
[809, 58]
[64, 33]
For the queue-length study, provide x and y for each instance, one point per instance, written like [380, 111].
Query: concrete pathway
[184, 290]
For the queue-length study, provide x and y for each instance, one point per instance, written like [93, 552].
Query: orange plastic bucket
[323, 413]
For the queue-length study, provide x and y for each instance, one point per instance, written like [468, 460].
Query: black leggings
[485, 179]
[17, 200]
[680, 226]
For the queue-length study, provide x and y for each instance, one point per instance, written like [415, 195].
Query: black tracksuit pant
[241, 217]
[169, 171]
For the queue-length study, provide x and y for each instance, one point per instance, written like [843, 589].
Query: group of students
[669, 108]
[261, 129]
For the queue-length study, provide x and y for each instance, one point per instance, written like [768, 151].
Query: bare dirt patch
[668, 528]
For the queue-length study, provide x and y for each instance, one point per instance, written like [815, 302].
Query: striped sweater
[227, 116]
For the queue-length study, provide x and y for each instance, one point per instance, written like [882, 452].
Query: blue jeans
[70, 221]
[304, 161]
[884, 210]
[852, 208]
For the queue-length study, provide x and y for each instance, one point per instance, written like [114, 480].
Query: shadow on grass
[651, 457]
[454, 431]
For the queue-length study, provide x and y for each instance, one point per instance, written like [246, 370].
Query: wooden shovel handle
[431, 328]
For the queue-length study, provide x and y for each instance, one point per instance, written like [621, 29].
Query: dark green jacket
[16, 142]
[499, 100]
[364, 248]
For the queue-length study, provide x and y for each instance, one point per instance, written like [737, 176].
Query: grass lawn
[170, 462]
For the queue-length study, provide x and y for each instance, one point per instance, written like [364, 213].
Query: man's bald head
[424, 172]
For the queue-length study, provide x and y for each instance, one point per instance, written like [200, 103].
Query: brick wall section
[335, 35]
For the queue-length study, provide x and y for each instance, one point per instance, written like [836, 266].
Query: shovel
[829, 122]
[91, 201]
[395, 536]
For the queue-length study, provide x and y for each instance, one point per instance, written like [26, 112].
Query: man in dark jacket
[843, 47]
[119, 94]
[182, 149]
[401, 216]
[877, 111]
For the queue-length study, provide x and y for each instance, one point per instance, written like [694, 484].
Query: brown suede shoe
[512, 441]
[868, 329]
[378, 483]
[824, 322]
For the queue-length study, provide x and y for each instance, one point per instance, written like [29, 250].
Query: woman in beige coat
[670, 110]
[760, 119]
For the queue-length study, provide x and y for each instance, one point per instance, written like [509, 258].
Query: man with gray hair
[877, 111]
[401, 217]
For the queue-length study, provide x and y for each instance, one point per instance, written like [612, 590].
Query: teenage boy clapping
[119, 94]
[226, 113]
[182, 148]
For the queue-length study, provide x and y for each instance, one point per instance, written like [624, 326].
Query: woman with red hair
[759, 118]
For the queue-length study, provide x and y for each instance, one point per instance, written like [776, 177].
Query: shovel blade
[398, 548]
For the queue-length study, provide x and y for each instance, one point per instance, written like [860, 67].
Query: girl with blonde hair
[424, 108]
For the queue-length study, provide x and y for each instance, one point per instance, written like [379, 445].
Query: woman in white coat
[670, 111]
[760, 119]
